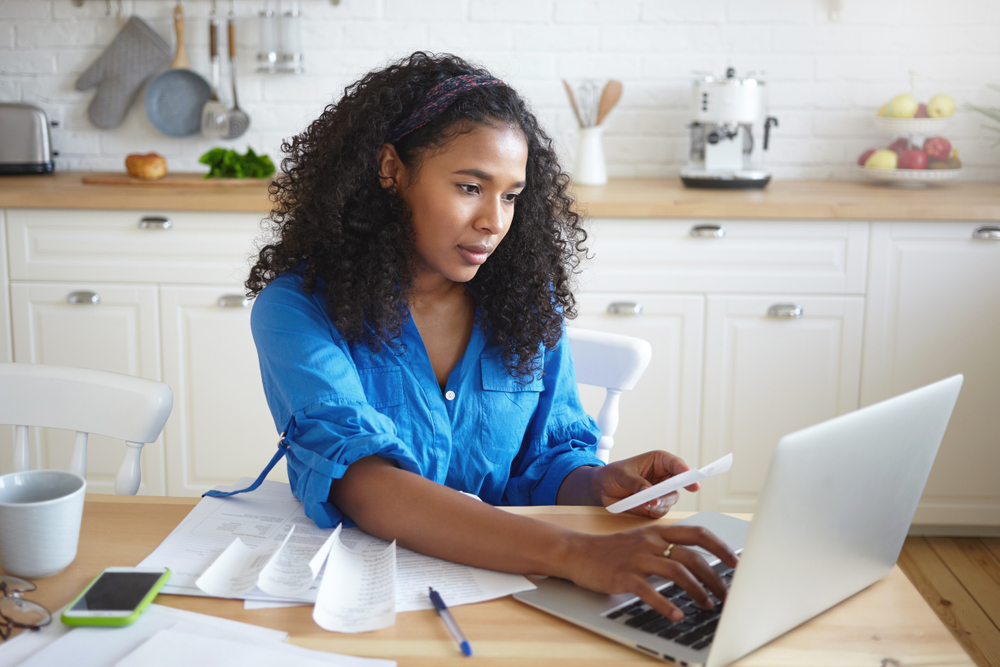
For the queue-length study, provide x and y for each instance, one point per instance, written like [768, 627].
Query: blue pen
[449, 620]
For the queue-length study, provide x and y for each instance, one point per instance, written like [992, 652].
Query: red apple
[913, 159]
[864, 156]
[900, 145]
[922, 111]
[938, 148]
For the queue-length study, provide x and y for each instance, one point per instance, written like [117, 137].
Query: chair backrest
[129, 408]
[614, 362]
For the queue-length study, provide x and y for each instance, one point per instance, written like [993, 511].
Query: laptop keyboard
[696, 630]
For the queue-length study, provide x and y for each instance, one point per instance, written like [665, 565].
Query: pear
[902, 106]
[882, 159]
[940, 106]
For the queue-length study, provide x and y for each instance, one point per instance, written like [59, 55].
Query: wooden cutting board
[179, 180]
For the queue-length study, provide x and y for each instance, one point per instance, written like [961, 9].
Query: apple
[900, 145]
[864, 156]
[913, 159]
[881, 110]
[922, 111]
[938, 148]
[882, 159]
[940, 106]
[901, 106]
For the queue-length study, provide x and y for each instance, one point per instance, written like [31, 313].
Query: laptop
[835, 508]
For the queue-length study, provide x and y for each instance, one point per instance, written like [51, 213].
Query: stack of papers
[164, 636]
[262, 548]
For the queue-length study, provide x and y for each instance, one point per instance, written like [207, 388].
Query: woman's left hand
[622, 479]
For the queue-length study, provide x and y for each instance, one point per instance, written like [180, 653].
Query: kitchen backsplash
[826, 77]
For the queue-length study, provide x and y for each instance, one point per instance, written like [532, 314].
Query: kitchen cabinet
[663, 410]
[148, 294]
[6, 351]
[933, 311]
[220, 427]
[90, 325]
[750, 377]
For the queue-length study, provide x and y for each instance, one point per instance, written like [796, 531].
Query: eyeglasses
[16, 612]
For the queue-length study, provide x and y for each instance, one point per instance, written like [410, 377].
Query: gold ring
[666, 552]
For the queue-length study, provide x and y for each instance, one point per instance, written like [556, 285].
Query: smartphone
[117, 597]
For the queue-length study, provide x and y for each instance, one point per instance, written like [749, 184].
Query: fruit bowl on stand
[910, 178]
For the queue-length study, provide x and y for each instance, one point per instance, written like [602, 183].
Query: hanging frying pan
[174, 99]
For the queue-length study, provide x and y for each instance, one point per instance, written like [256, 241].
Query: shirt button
[450, 395]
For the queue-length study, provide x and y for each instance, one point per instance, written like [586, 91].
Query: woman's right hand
[620, 563]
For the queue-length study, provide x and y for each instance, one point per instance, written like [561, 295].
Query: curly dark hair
[333, 217]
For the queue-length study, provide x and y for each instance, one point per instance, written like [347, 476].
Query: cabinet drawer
[745, 256]
[132, 246]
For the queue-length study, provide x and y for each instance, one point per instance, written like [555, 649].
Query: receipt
[672, 484]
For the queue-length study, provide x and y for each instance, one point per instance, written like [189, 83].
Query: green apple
[940, 106]
[882, 159]
[902, 106]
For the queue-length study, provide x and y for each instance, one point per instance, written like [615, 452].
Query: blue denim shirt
[508, 442]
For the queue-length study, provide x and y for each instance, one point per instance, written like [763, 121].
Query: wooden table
[886, 625]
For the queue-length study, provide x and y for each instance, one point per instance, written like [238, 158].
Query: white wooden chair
[130, 408]
[614, 362]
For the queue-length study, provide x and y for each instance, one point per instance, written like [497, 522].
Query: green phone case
[118, 621]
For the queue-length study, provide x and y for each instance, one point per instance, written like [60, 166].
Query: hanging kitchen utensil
[214, 115]
[175, 98]
[609, 98]
[135, 54]
[238, 121]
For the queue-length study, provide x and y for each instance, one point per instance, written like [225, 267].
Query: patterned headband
[436, 101]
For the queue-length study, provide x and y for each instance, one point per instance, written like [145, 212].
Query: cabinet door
[6, 351]
[662, 411]
[768, 375]
[105, 327]
[933, 311]
[220, 428]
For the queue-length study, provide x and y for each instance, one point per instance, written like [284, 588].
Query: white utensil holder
[590, 167]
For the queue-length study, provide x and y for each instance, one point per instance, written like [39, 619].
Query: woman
[409, 324]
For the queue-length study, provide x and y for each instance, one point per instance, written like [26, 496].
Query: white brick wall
[825, 79]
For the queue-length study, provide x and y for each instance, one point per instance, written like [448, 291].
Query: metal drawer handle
[991, 232]
[234, 301]
[155, 222]
[625, 308]
[789, 310]
[708, 231]
[84, 298]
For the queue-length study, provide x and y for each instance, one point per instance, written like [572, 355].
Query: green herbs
[990, 112]
[225, 163]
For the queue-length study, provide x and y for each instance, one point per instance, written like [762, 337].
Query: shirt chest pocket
[383, 387]
[508, 406]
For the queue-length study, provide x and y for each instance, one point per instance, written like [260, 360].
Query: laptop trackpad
[729, 529]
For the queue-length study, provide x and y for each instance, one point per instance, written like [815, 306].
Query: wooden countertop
[629, 198]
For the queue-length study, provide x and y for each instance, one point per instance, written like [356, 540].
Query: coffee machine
[723, 149]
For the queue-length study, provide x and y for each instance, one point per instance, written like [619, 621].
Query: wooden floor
[960, 579]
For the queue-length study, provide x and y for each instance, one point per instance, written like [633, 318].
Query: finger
[657, 601]
[693, 487]
[683, 577]
[658, 507]
[702, 537]
[700, 568]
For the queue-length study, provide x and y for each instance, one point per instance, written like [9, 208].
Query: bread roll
[148, 167]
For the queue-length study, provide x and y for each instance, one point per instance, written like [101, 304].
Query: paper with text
[362, 595]
[672, 484]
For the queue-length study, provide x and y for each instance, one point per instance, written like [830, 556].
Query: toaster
[25, 145]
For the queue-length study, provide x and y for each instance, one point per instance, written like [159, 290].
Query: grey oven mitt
[135, 54]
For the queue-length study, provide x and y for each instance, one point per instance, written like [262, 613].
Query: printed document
[672, 484]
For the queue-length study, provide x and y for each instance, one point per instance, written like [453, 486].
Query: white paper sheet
[103, 647]
[672, 484]
[267, 515]
[362, 595]
[172, 647]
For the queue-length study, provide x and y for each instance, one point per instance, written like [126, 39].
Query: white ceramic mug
[40, 513]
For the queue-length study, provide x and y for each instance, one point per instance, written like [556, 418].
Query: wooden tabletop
[886, 624]
[638, 197]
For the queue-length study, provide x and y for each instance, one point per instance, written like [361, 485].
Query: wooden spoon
[572, 101]
[609, 98]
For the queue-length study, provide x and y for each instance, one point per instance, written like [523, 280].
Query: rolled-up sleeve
[316, 397]
[560, 439]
